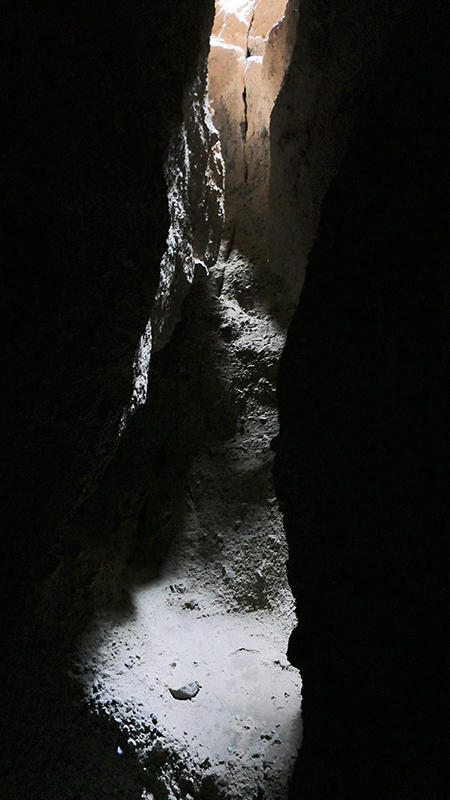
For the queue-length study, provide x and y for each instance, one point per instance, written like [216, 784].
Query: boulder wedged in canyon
[363, 450]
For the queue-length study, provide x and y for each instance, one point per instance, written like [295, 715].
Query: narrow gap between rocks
[195, 671]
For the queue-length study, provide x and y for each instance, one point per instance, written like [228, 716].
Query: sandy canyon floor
[196, 676]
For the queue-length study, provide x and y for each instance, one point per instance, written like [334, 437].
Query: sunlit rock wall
[338, 48]
[195, 179]
[194, 173]
[251, 44]
[362, 458]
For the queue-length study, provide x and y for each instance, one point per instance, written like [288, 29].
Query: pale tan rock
[280, 42]
[266, 14]
[226, 83]
[242, 89]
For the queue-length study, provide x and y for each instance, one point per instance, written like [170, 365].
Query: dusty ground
[217, 617]
[204, 598]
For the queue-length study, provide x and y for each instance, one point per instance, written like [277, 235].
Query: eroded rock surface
[95, 102]
[188, 487]
[195, 180]
[250, 50]
[194, 173]
[92, 98]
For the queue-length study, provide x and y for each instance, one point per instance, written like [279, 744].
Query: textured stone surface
[187, 692]
[194, 174]
[250, 49]
[195, 180]
[206, 572]
[363, 450]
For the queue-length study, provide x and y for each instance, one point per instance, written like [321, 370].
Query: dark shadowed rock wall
[338, 47]
[362, 456]
[92, 95]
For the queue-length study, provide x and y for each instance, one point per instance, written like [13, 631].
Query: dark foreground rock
[92, 96]
[362, 454]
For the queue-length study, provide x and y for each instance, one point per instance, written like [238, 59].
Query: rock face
[96, 100]
[187, 692]
[195, 179]
[363, 449]
[251, 45]
[93, 98]
[194, 173]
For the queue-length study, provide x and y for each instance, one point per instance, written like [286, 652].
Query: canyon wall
[251, 45]
[195, 175]
[98, 101]
[362, 454]
[93, 98]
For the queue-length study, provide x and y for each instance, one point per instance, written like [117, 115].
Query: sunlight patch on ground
[247, 711]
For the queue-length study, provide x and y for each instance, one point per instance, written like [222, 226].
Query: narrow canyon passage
[219, 613]
[145, 611]
[195, 671]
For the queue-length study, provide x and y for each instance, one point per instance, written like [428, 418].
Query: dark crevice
[244, 132]
[248, 51]
[230, 243]
[244, 98]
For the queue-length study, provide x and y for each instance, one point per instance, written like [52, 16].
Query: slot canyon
[224, 536]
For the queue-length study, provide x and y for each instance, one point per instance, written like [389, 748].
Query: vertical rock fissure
[244, 98]
[244, 131]
[249, 31]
